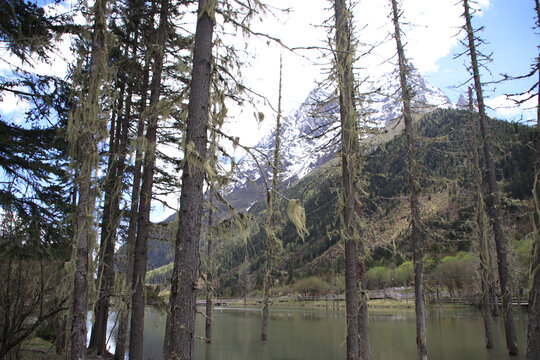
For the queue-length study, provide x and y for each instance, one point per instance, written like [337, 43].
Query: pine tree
[143, 223]
[136, 12]
[113, 189]
[180, 327]
[412, 169]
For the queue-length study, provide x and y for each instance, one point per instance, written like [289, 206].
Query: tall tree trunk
[111, 218]
[412, 169]
[209, 264]
[87, 136]
[265, 299]
[143, 224]
[483, 248]
[493, 194]
[180, 329]
[357, 320]
[364, 350]
[272, 242]
[123, 322]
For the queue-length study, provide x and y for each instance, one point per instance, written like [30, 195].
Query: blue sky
[431, 46]
[508, 31]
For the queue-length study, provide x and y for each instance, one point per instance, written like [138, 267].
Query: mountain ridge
[309, 135]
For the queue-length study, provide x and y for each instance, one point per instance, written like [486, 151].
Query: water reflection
[299, 333]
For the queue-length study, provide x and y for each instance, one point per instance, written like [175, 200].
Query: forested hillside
[447, 201]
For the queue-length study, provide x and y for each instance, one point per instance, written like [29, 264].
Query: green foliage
[379, 277]
[404, 273]
[522, 262]
[457, 272]
[312, 285]
[25, 28]
[160, 276]
[446, 182]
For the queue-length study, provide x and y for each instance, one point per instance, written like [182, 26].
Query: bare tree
[414, 188]
[481, 224]
[272, 243]
[357, 329]
[493, 202]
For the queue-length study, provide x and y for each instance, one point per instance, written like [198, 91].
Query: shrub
[404, 273]
[456, 272]
[312, 285]
[378, 277]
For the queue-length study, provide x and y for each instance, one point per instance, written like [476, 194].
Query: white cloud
[430, 28]
[503, 108]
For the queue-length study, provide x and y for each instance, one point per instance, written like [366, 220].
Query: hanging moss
[297, 215]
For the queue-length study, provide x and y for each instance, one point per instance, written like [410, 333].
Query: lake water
[299, 333]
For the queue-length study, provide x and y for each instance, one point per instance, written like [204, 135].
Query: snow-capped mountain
[310, 135]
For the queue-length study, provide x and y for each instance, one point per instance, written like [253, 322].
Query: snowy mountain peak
[310, 135]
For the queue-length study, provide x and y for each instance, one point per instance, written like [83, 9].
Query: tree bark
[209, 264]
[123, 322]
[178, 342]
[111, 217]
[493, 194]
[357, 336]
[87, 137]
[416, 228]
[272, 244]
[483, 248]
[364, 349]
[143, 224]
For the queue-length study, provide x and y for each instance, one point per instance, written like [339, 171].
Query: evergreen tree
[180, 327]
[87, 129]
[33, 152]
[143, 223]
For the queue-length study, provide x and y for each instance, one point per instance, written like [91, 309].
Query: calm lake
[299, 333]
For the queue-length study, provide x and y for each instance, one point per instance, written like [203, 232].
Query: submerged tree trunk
[86, 132]
[143, 224]
[180, 328]
[272, 242]
[357, 320]
[493, 195]
[416, 228]
[483, 248]
[364, 350]
[209, 264]
[266, 284]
